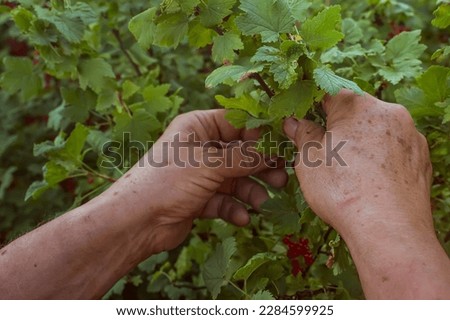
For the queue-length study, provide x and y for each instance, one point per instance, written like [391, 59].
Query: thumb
[303, 131]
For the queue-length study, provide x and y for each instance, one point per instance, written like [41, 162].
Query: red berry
[296, 269]
[10, 4]
[69, 186]
[296, 250]
[17, 48]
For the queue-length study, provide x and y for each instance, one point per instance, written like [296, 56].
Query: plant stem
[263, 84]
[319, 250]
[307, 294]
[124, 105]
[238, 289]
[98, 174]
[125, 51]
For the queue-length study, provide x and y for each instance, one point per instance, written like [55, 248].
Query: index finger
[212, 125]
[346, 104]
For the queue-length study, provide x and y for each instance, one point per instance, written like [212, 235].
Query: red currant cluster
[296, 250]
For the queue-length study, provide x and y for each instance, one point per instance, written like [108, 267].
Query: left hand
[171, 197]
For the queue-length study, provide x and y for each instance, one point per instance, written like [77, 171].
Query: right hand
[388, 172]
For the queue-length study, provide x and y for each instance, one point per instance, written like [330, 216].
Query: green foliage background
[77, 74]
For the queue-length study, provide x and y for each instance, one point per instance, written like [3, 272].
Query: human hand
[149, 210]
[197, 180]
[377, 197]
[385, 168]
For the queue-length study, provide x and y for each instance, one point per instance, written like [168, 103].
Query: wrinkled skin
[380, 200]
[203, 191]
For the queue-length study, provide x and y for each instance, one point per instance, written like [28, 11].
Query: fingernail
[242, 218]
[290, 127]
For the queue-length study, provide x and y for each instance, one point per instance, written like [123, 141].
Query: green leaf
[284, 72]
[19, 77]
[225, 46]
[212, 12]
[327, 80]
[266, 54]
[150, 264]
[417, 103]
[283, 65]
[254, 123]
[171, 30]
[253, 264]
[230, 73]
[405, 46]
[97, 140]
[393, 75]
[188, 6]
[156, 99]
[65, 156]
[446, 107]
[299, 9]
[49, 148]
[117, 289]
[263, 295]
[184, 262]
[7, 141]
[54, 173]
[297, 100]
[283, 213]
[36, 189]
[268, 18]
[75, 143]
[335, 55]
[216, 267]
[200, 36]
[140, 126]
[442, 14]
[353, 32]
[69, 25]
[245, 102]
[441, 54]
[93, 73]
[78, 103]
[108, 96]
[23, 18]
[84, 11]
[129, 89]
[320, 32]
[143, 28]
[7, 179]
[237, 118]
[402, 55]
[435, 82]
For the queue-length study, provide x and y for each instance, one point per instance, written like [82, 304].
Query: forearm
[79, 255]
[399, 261]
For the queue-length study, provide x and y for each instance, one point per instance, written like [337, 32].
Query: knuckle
[402, 114]
[180, 118]
[423, 140]
[187, 120]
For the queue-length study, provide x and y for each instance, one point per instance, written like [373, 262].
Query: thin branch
[307, 294]
[98, 174]
[125, 51]
[238, 289]
[319, 250]
[123, 104]
[263, 84]
[187, 286]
